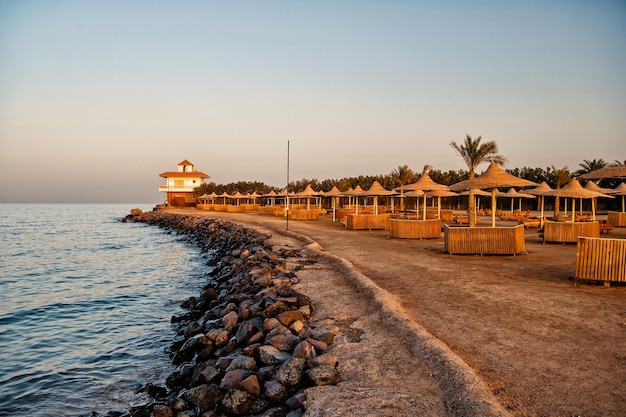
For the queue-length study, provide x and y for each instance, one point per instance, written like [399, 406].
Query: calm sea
[85, 303]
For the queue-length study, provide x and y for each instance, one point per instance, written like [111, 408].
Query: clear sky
[99, 97]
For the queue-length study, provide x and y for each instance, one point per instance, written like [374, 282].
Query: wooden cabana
[372, 220]
[425, 184]
[493, 178]
[512, 193]
[493, 240]
[424, 228]
[565, 232]
[351, 193]
[334, 193]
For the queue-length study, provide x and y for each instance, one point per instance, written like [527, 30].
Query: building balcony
[172, 189]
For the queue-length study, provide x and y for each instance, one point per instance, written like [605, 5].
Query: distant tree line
[402, 175]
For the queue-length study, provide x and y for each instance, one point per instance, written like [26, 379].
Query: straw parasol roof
[441, 193]
[619, 190]
[594, 187]
[615, 171]
[334, 192]
[308, 192]
[516, 194]
[356, 191]
[476, 192]
[492, 178]
[414, 193]
[574, 190]
[272, 193]
[541, 189]
[237, 195]
[425, 183]
[377, 189]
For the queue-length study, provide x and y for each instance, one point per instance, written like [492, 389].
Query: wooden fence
[601, 259]
[484, 240]
[617, 219]
[367, 221]
[568, 232]
[415, 229]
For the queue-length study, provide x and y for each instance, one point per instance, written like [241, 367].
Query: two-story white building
[180, 184]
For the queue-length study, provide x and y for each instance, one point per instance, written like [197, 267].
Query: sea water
[85, 307]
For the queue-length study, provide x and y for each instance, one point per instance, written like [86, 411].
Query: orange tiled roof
[183, 174]
[185, 162]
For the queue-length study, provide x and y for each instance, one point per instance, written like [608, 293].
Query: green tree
[401, 176]
[590, 165]
[475, 153]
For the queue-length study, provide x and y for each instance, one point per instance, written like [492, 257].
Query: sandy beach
[425, 333]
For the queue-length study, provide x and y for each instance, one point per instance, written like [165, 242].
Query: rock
[328, 359]
[290, 372]
[244, 362]
[251, 385]
[275, 391]
[323, 375]
[162, 411]
[203, 397]
[269, 355]
[244, 343]
[237, 402]
[232, 379]
[270, 323]
[286, 318]
[284, 342]
[304, 350]
[229, 321]
[204, 374]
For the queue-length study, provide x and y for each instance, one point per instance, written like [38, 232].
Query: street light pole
[287, 191]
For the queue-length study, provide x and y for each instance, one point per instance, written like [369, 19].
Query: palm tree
[401, 176]
[561, 177]
[588, 166]
[474, 153]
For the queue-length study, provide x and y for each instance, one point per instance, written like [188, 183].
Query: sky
[99, 97]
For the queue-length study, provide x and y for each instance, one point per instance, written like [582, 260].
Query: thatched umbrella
[477, 193]
[439, 194]
[615, 171]
[621, 190]
[272, 194]
[425, 183]
[308, 192]
[541, 190]
[355, 192]
[594, 187]
[513, 194]
[417, 194]
[202, 198]
[574, 190]
[493, 178]
[237, 196]
[333, 194]
[377, 190]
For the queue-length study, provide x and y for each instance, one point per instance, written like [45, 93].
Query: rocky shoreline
[245, 346]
